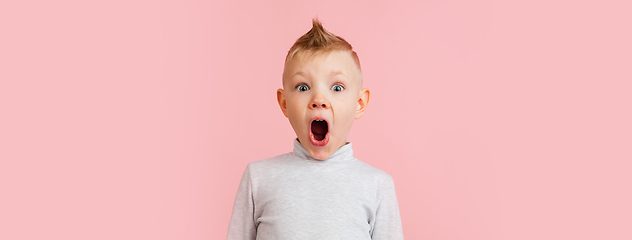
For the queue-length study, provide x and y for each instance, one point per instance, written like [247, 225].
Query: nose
[318, 102]
[316, 105]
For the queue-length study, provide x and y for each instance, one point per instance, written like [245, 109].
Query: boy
[319, 190]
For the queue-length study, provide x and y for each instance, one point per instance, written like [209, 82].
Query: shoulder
[379, 181]
[269, 165]
[383, 183]
[378, 175]
[279, 159]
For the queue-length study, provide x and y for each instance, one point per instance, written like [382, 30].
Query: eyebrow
[298, 73]
[333, 73]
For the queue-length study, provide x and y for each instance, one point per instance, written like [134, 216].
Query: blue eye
[302, 87]
[337, 88]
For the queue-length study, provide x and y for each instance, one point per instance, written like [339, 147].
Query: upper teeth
[319, 120]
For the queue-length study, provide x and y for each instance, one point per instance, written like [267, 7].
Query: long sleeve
[388, 224]
[242, 223]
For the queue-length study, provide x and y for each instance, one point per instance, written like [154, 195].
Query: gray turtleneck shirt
[294, 196]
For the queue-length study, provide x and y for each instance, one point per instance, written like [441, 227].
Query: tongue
[319, 128]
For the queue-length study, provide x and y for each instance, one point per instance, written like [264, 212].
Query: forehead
[321, 65]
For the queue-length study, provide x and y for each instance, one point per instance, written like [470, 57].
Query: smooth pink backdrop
[135, 119]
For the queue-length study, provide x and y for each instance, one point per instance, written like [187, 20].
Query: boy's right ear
[282, 102]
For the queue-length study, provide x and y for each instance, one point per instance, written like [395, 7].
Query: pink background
[136, 119]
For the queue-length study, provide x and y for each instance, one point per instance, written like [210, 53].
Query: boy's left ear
[363, 101]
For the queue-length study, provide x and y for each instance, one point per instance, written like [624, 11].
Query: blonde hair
[319, 40]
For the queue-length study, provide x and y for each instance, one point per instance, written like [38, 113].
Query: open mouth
[318, 132]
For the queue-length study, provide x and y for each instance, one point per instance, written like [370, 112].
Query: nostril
[323, 105]
[314, 105]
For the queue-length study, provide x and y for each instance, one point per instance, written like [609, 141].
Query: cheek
[346, 112]
[295, 111]
[293, 104]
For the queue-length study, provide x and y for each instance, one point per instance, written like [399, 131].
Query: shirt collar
[344, 153]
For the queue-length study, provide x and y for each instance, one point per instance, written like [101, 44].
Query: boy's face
[321, 98]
